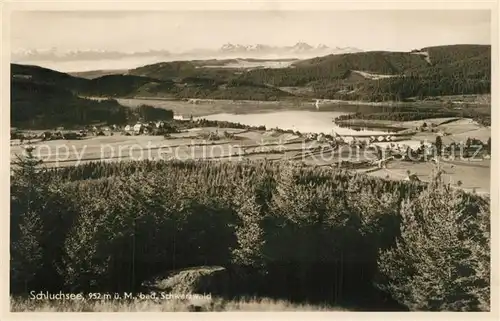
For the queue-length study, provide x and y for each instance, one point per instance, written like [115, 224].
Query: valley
[254, 92]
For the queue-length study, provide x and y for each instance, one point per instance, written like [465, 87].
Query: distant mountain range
[299, 50]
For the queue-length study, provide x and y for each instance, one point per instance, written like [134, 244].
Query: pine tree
[440, 262]
[26, 223]
[249, 234]
[439, 144]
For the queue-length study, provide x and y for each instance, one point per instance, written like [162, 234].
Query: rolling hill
[44, 98]
[434, 71]
[368, 76]
[175, 80]
[39, 105]
[372, 76]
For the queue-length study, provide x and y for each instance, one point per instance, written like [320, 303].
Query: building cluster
[382, 139]
[143, 127]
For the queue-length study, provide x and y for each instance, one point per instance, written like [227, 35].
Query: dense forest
[288, 231]
[36, 105]
[385, 76]
[411, 114]
[452, 70]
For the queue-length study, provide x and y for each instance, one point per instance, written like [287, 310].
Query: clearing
[372, 76]
[473, 175]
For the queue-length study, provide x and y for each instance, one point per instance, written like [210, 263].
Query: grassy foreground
[19, 304]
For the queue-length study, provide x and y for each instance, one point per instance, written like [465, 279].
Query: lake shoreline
[473, 99]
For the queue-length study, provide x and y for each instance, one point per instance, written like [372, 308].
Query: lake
[302, 121]
[296, 115]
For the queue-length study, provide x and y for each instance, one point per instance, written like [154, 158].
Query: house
[72, 135]
[138, 128]
[58, 135]
[181, 117]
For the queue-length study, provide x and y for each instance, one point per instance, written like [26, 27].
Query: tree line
[43, 106]
[411, 114]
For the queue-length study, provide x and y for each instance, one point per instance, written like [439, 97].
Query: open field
[188, 145]
[253, 63]
[451, 129]
[253, 145]
[473, 175]
[271, 145]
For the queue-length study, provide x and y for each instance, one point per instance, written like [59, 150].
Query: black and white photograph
[265, 160]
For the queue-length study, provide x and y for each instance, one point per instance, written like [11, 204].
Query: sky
[185, 30]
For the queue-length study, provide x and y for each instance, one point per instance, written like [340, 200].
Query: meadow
[254, 144]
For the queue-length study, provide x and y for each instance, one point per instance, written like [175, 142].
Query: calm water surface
[303, 121]
[285, 115]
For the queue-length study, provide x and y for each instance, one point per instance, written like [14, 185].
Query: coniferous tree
[26, 223]
[433, 265]
[249, 233]
[439, 144]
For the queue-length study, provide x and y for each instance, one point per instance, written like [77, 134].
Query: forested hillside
[41, 105]
[433, 71]
[35, 105]
[368, 76]
[299, 233]
[436, 71]
[179, 80]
